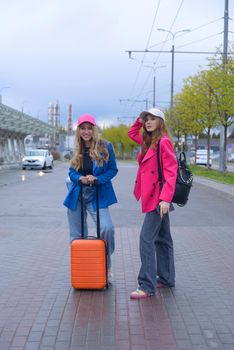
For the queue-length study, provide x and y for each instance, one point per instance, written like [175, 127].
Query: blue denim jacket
[104, 174]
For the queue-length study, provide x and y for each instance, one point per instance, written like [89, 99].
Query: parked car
[38, 159]
[201, 157]
[230, 157]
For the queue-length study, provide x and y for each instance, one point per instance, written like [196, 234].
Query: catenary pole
[172, 62]
[222, 145]
[154, 68]
[172, 77]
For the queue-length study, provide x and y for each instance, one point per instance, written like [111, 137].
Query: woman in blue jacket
[93, 159]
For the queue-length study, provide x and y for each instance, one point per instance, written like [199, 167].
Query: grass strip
[226, 178]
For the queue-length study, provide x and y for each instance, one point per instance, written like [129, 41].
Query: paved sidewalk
[227, 190]
[40, 311]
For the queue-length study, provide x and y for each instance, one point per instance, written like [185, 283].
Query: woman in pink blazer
[156, 200]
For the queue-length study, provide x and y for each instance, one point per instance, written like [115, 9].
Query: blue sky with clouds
[73, 51]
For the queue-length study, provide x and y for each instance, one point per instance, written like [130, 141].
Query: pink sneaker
[139, 294]
[161, 285]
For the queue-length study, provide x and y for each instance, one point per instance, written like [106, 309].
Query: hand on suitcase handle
[88, 180]
[91, 179]
[83, 180]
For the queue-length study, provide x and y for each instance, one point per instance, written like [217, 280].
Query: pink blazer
[147, 184]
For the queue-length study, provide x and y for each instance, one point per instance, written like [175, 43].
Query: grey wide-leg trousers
[155, 237]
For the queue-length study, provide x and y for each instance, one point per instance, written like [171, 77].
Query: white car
[201, 157]
[230, 157]
[38, 159]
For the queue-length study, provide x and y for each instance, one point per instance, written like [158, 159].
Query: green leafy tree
[206, 101]
[195, 108]
[221, 84]
[206, 110]
[118, 136]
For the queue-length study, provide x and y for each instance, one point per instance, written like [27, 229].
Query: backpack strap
[159, 165]
[182, 159]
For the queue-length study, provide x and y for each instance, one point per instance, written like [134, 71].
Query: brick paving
[40, 310]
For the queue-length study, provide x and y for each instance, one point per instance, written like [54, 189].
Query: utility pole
[222, 145]
[172, 62]
[172, 76]
[154, 68]
[69, 126]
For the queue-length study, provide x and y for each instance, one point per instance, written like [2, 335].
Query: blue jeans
[106, 227]
[156, 237]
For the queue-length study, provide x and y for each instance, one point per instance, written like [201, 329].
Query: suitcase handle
[82, 208]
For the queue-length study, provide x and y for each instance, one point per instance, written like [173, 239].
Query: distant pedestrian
[93, 159]
[155, 236]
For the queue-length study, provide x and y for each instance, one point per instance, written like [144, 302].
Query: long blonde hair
[98, 149]
[150, 139]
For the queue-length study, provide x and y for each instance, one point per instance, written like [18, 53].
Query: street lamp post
[172, 60]
[4, 87]
[154, 68]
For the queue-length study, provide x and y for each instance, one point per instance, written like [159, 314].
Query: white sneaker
[110, 276]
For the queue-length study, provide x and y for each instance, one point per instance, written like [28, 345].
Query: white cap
[155, 112]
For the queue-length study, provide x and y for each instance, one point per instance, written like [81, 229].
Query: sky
[74, 52]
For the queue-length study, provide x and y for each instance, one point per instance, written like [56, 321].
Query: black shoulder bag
[184, 179]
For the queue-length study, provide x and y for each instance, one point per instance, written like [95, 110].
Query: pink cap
[86, 118]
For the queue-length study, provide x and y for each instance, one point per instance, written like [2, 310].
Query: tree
[185, 121]
[206, 101]
[207, 111]
[195, 108]
[221, 84]
[118, 136]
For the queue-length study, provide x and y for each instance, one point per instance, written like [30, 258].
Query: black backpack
[184, 178]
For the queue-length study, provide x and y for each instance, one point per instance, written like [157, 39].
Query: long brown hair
[98, 149]
[150, 139]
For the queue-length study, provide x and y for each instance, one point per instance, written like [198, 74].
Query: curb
[228, 190]
[10, 166]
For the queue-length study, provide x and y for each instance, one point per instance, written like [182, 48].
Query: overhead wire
[205, 25]
[167, 39]
[148, 41]
[163, 44]
[199, 40]
[194, 29]
[142, 61]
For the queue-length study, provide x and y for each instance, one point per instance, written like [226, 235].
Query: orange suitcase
[88, 257]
